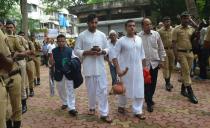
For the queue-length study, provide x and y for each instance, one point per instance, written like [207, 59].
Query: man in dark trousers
[154, 58]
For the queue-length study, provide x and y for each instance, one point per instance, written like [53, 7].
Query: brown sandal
[140, 116]
[91, 112]
[106, 119]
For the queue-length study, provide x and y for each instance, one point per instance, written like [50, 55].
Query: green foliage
[206, 9]
[99, 1]
[172, 8]
[200, 5]
[6, 6]
[44, 30]
[55, 5]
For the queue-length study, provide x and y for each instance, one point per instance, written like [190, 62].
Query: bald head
[146, 25]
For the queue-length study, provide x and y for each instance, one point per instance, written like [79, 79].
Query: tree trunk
[192, 9]
[24, 13]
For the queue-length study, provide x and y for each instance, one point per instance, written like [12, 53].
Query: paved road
[171, 109]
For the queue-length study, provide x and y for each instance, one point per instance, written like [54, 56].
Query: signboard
[52, 33]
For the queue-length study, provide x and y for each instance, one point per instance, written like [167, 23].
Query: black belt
[182, 50]
[12, 73]
[29, 59]
[168, 48]
[18, 59]
[37, 55]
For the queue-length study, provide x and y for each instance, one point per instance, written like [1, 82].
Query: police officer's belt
[168, 48]
[29, 59]
[182, 50]
[18, 58]
[12, 73]
[37, 55]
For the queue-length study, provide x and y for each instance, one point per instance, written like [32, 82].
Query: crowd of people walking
[127, 56]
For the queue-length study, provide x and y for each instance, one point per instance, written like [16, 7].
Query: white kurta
[130, 52]
[92, 65]
[111, 49]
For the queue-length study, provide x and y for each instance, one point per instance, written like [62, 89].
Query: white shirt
[111, 49]
[202, 35]
[130, 53]
[92, 65]
[153, 48]
[50, 47]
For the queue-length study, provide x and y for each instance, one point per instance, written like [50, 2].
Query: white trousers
[137, 104]
[96, 92]
[66, 92]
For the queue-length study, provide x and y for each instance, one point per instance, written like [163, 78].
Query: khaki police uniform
[182, 38]
[37, 59]
[15, 90]
[30, 67]
[166, 36]
[22, 63]
[3, 93]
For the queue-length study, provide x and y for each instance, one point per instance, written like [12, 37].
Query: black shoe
[9, 123]
[17, 124]
[38, 81]
[35, 81]
[168, 87]
[31, 94]
[24, 106]
[184, 91]
[152, 103]
[191, 95]
[27, 94]
[91, 112]
[64, 107]
[121, 110]
[73, 112]
[171, 85]
[149, 108]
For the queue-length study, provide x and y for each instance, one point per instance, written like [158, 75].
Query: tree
[54, 5]
[192, 9]
[172, 8]
[23, 8]
[6, 6]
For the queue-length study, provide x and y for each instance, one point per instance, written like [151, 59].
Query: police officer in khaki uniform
[5, 68]
[166, 36]
[15, 91]
[181, 38]
[24, 76]
[30, 66]
[37, 59]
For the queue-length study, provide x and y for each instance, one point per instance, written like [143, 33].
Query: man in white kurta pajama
[94, 67]
[130, 51]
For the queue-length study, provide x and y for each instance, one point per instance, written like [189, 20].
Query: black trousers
[203, 62]
[149, 89]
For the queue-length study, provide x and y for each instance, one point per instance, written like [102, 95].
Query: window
[31, 8]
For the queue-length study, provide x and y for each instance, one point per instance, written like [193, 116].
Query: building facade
[113, 15]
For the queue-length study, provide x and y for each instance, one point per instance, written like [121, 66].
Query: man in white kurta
[130, 53]
[94, 67]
